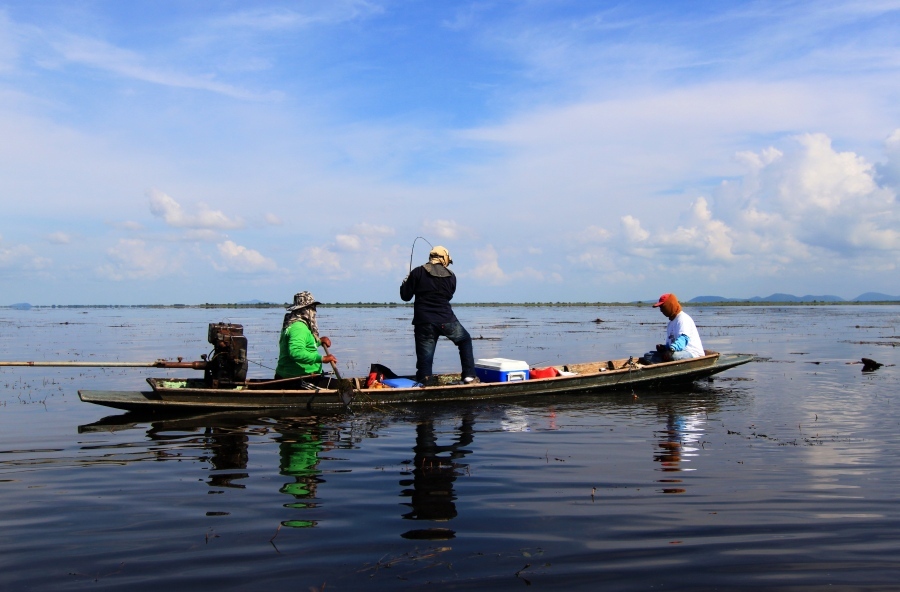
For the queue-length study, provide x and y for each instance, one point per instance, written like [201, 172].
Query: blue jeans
[427, 335]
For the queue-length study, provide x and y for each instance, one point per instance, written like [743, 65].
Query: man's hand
[329, 359]
[325, 341]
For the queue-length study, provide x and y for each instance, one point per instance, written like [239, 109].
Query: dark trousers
[427, 335]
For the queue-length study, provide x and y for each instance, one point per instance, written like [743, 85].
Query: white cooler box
[501, 370]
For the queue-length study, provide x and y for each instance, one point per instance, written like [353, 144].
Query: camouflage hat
[302, 300]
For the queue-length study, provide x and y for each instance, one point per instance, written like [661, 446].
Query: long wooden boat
[255, 394]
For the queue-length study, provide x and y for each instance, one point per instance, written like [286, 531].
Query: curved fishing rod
[411, 251]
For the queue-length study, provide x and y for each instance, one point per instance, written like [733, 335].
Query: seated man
[298, 353]
[682, 338]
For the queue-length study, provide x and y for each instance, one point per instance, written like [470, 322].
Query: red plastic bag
[543, 372]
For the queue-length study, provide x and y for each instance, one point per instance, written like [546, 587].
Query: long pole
[157, 364]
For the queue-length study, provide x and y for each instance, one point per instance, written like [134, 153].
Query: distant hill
[706, 299]
[876, 297]
[20, 306]
[779, 297]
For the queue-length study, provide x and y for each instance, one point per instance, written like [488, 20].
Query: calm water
[781, 474]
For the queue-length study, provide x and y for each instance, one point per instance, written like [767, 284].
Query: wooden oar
[343, 391]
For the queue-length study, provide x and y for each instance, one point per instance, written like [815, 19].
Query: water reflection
[228, 450]
[435, 469]
[299, 448]
[224, 446]
[676, 443]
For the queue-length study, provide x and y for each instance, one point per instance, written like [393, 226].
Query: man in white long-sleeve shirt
[682, 337]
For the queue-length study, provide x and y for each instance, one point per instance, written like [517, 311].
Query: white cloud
[201, 235]
[165, 207]
[706, 235]
[363, 236]
[348, 242]
[488, 270]
[801, 208]
[316, 13]
[442, 230]
[325, 262]
[366, 251]
[822, 198]
[373, 231]
[239, 258]
[819, 178]
[273, 219]
[633, 231]
[59, 238]
[128, 64]
[889, 171]
[16, 256]
[133, 259]
[593, 234]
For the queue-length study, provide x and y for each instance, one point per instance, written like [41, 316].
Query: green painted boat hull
[190, 394]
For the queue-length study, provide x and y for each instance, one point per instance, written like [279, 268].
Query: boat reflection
[443, 442]
[222, 441]
[435, 468]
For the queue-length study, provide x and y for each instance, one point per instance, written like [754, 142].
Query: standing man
[433, 285]
[682, 337]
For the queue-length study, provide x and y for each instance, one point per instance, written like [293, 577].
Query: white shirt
[684, 324]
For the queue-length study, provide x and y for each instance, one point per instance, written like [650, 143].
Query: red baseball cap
[662, 300]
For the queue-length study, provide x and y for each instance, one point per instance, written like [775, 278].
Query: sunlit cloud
[444, 230]
[165, 207]
[488, 270]
[238, 258]
[134, 259]
[323, 261]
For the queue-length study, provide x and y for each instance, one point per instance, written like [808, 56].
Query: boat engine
[228, 364]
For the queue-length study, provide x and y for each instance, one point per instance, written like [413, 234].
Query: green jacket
[298, 352]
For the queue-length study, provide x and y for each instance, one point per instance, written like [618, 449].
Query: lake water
[781, 474]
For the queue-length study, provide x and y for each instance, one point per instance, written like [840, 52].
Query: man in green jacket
[298, 345]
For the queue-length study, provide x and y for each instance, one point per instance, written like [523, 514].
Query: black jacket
[432, 293]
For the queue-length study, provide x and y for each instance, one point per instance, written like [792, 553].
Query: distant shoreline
[456, 304]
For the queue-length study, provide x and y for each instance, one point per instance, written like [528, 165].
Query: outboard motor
[228, 364]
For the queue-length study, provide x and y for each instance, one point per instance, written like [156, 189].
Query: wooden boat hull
[168, 394]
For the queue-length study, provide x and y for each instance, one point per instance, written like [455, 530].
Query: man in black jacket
[433, 285]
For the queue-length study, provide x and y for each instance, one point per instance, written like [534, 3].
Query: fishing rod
[411, 251]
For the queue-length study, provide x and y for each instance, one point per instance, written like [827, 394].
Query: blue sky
[220, 151]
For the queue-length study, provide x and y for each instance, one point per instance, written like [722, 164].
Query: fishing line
[411, 251]
[260, 364]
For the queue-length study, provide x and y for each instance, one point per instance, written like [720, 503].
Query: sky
[162, 151]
